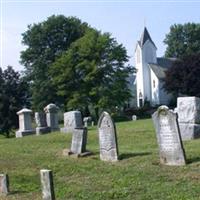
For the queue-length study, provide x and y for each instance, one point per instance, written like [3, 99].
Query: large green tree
[13, 96]
[45, 42]
[92, 73]
[183, 40]
[183, 77]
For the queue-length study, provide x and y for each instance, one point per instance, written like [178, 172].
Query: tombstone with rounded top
[168, 137]
[51, 111]
[134, 117]
[25, 123]
[107, 138]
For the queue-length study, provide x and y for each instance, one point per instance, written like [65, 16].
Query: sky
[125, 20]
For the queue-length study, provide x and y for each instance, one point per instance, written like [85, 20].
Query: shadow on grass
[17, 192]
[192, 160]
[130, 155]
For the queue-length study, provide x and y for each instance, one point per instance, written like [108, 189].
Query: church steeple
[144, 37]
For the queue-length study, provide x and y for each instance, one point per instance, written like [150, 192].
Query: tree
[13, 96]
[92, 73]
[46, 41]
[183, 76]
[183, 40]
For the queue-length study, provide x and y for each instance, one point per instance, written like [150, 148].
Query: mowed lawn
[138, 174]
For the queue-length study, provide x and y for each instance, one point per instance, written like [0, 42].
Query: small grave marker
[47, 184]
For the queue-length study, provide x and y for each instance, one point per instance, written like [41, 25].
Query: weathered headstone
[134, 117]
[72, 120]
[51, 111]
[78, 145]
[87, 120]
[46, 177]
[168, 137]
[40, 120]
[92, 124]
[4, 184]
[188, 109]
[79, 141]
[25, 123]
[107, 138]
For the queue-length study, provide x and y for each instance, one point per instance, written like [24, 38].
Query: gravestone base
[42, 130]
[19, 133]
[68, 152]
[189, 131]
[110, 156]
[172, 158]
[66, 130]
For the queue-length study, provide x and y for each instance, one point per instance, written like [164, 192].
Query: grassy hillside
[138, 175]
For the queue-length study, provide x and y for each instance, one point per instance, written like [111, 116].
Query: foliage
[92, 73]
[138, 175]
[13, 96]
[45, 42]
[183, 76]
[183, 40]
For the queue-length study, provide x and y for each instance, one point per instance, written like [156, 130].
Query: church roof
[144, 37]
[161, 66]
[158, 70]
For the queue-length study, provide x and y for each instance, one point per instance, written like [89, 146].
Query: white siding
[154, 89]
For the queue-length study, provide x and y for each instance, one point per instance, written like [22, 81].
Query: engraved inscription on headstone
[107, 138]
[168, 137]
[79, 141]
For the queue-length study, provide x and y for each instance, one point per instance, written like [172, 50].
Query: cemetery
[122, 165]
[89, 116]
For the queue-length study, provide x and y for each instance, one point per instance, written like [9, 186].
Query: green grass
[138, 175]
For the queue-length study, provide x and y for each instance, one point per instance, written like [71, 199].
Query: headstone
[86, 121]
[4, 184]
[72, 120]
[92, 124]
[40, 120]
[51, 111]
[188, 109]
[176, 110]
[134, 117]
[79, 141]
[168, 137]
[46, 177]
[78, 145]
[25, 123]
[107, 138]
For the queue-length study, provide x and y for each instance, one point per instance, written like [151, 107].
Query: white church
[150, 72]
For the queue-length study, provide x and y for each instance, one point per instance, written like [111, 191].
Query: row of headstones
[47, 121]
[72, 124]
[46, 177]
[173, 126]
